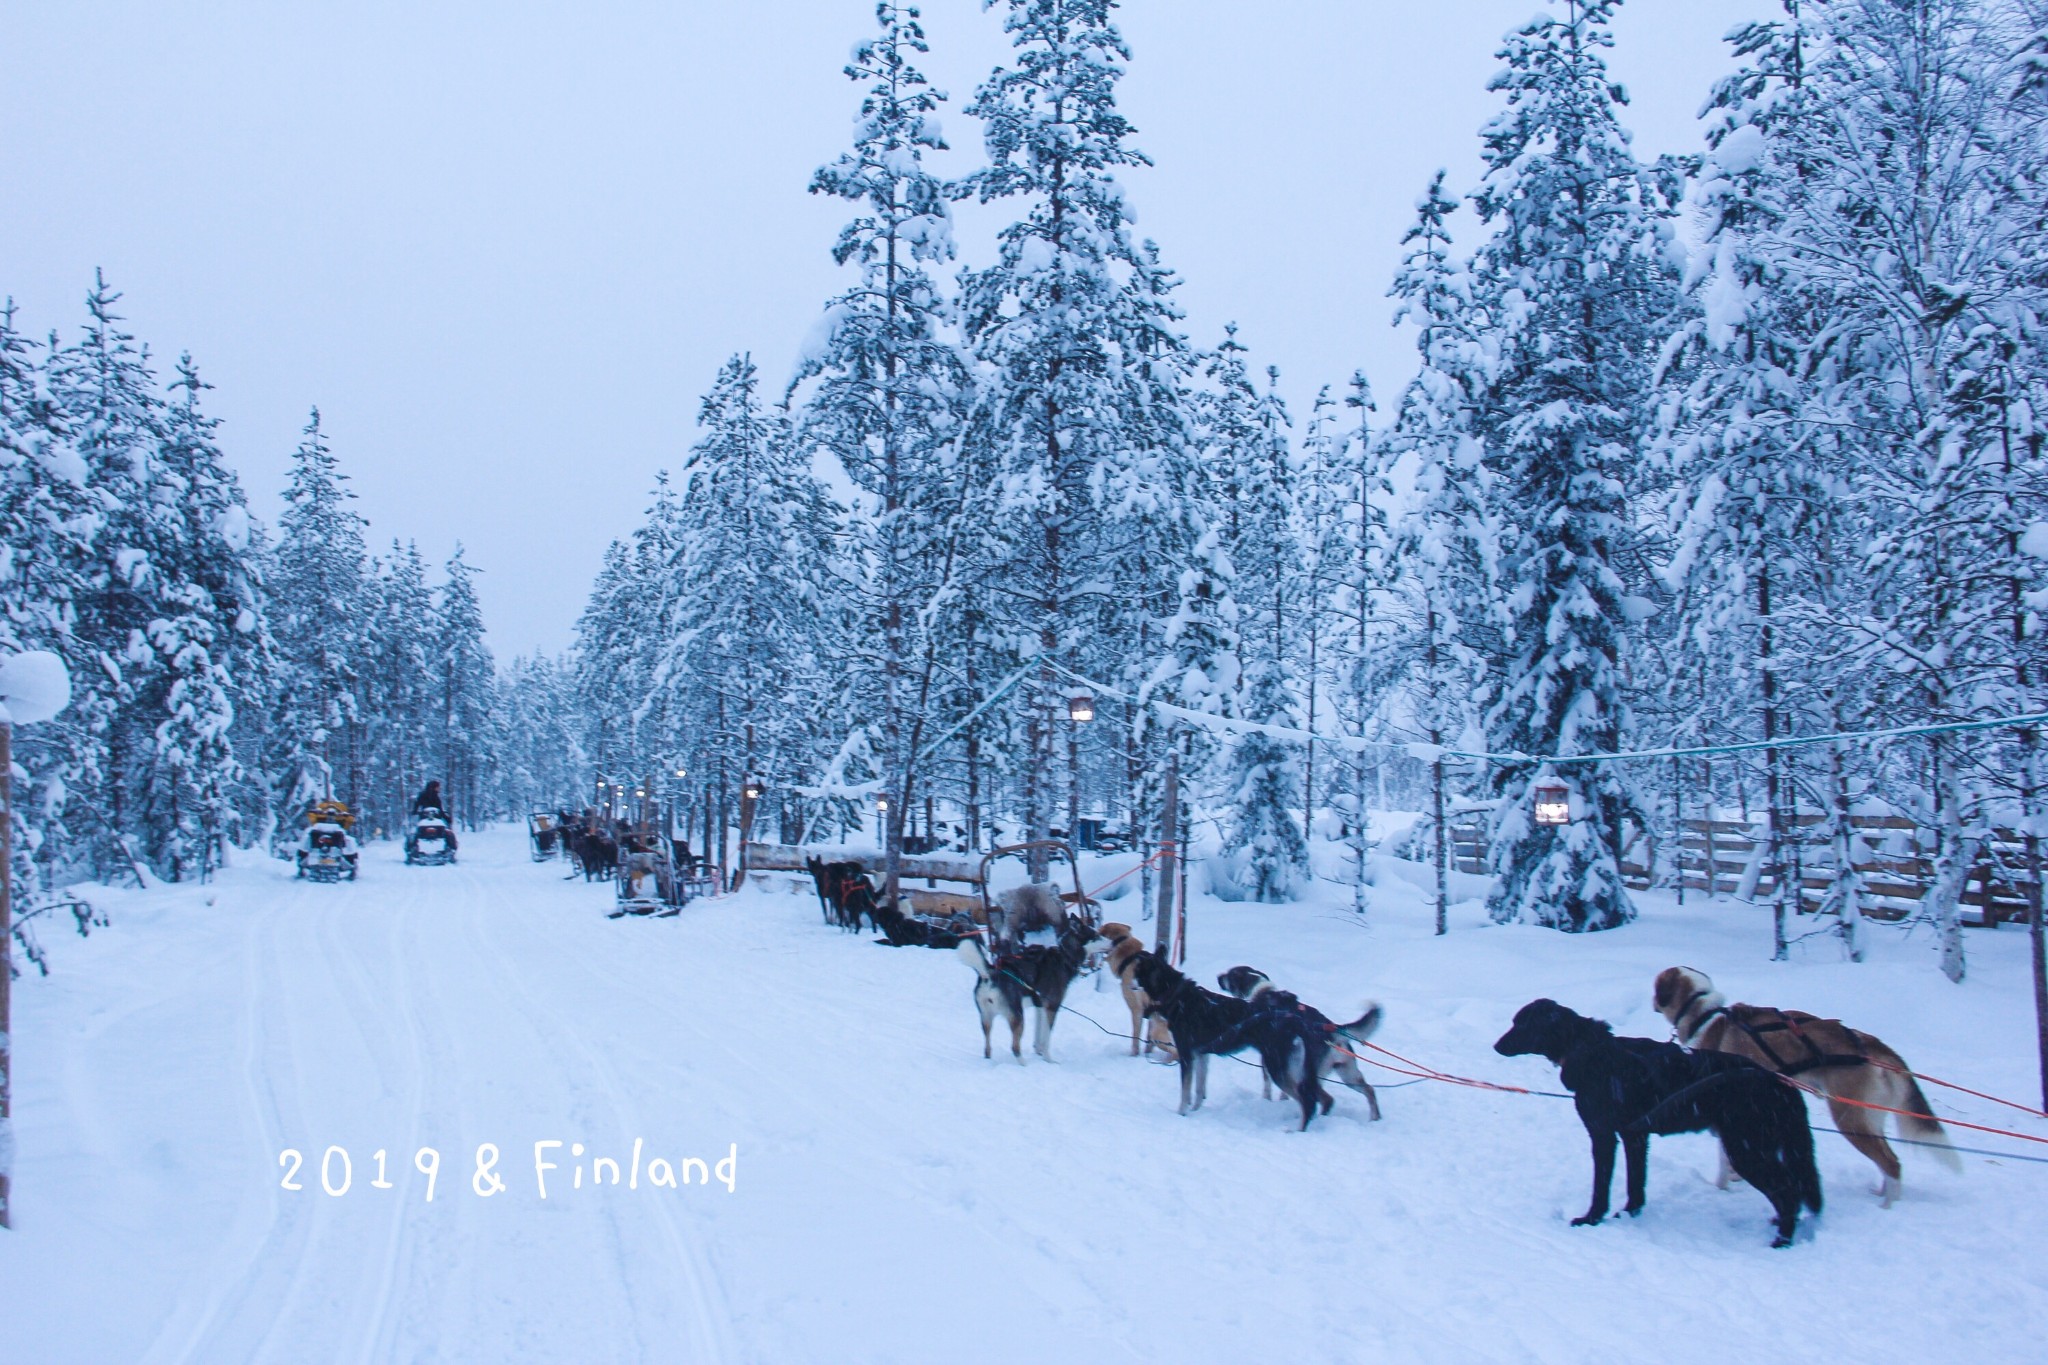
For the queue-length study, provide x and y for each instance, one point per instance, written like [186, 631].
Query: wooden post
[1169, 832]
[7, 972]
[1678, 825]
[2037, 933]
[747, 802]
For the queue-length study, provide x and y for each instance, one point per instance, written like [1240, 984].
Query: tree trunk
[1848, 889]
[7, 973]
[1443, 852]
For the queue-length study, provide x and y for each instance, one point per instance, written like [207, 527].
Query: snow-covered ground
[896, 1198]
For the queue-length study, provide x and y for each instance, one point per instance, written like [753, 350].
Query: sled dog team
[1727, 1072]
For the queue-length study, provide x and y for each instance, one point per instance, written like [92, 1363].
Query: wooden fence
[1892, 856]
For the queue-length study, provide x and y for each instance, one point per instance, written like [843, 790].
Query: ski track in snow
[898, 1197]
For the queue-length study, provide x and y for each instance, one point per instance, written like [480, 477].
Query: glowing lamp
[1080, 707]
[1553, 804]
[753, 791]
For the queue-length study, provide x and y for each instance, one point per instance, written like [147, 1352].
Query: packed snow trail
[896, 1197]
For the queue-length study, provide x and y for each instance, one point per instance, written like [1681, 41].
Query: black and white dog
[1293, 1052]
[1256, 989]
[1203, 1024]
[1039, 973]
[1629, 1088]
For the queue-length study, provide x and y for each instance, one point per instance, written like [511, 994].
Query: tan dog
[1123, 953]
[1849, 1067]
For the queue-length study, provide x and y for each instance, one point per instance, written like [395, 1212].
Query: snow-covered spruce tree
[316, 581]
[889, 387]
[1196, 671]
[750, 587]
[607, 691]
[45, 548]
[1440, 574]
[1244, 438]
[1571, 285]
[543, 764]
[398, 690]
[467, 708]
[107, 394]
[1081, 418]
[208, 638]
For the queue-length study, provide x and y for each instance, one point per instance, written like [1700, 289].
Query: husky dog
[1038, 973]
[1123, 955]
[1256, 989]
[1852, 1069]
[1629, 1088]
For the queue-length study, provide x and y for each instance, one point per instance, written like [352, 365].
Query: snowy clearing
[898, 1198]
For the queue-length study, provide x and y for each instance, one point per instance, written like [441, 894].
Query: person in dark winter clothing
[429, 799]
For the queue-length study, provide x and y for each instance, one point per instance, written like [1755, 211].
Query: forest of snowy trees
[223, 673]
[1736, 446]
[1726, 447]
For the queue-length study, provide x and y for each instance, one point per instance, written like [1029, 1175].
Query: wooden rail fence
[1891, 855]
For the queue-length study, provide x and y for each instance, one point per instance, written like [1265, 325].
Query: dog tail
[970, 951]
[1809, 1173]
[1927, 1131]
[1365, 1025]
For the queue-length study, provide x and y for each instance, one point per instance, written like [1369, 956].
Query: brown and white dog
[1851, 1068]
[1123, 955]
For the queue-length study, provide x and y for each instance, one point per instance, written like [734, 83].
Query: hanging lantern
[1553, 804]
[639, 792]
[1080, 707]
[881, 805]
[680, 772]
[753, 791]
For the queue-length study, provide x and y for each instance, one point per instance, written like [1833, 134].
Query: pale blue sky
[504, 244]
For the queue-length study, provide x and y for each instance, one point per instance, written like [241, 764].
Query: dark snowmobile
[432, 841]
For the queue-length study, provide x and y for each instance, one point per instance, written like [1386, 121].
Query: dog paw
[1588, 1220]
[1634, 1210]
[1779, 1242]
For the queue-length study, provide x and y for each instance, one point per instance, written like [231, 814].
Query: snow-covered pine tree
[467, 707]
[399, 690]
[1440, 573]
[1571, 283]
[104, 387]
[45, 548]
[886, 402]
[607, 691]
[1264, 856]
[207, 635]
[316, 599]
[1081, 421]
[750, 586]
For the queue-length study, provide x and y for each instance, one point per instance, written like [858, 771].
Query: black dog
[1330, 1056]
[908, 931]
[1629, 1088]
[844, 893]
[1202, 1023]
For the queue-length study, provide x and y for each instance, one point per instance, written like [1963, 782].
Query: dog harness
[1777, 1022]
